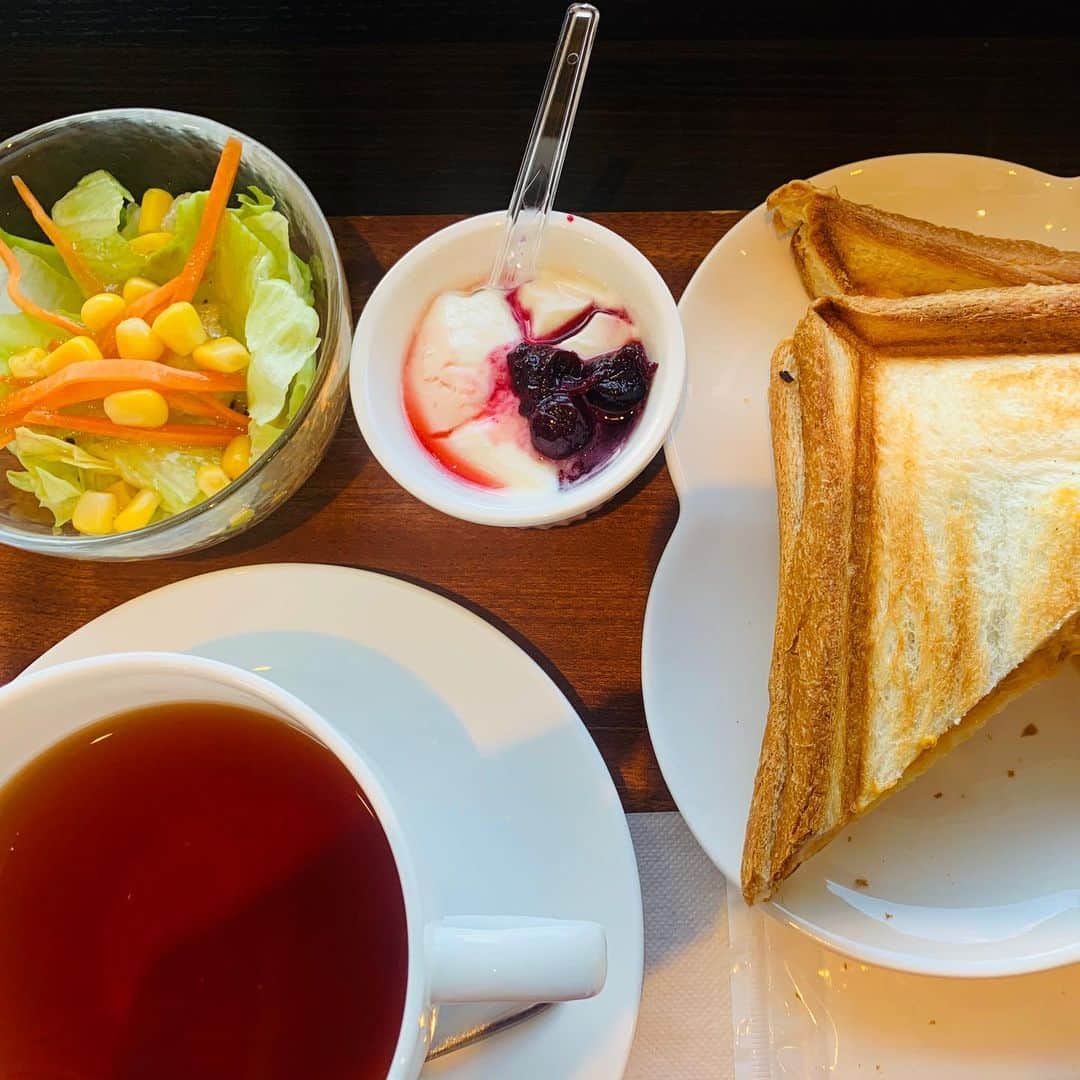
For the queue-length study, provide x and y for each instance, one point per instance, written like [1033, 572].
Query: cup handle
[501, 958]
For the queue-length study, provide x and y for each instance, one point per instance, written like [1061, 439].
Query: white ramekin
[460, 257]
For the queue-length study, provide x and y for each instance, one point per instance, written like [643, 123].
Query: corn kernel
[180, 328]
[135, 288]
[137, 408]
[123, 493]
[95, 513]
[236, 457]
[136, 341]
[155, 205]
[72, 351]
[29, 364]
[102, 309]
[150, 243]
[211, 479]
[222, 354]
[138, 512]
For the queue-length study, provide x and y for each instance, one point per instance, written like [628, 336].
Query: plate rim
[684, 489]
[620, 1055]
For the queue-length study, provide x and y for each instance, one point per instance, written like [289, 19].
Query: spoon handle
[534, 191]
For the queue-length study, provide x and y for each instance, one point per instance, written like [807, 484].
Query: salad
[151, 350]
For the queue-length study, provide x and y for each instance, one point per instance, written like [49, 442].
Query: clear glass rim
[337, 304]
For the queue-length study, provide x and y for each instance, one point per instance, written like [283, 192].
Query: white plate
[501, 788]
[984, 880]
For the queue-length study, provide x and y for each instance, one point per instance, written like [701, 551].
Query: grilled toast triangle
[846, 248]
[928, 475]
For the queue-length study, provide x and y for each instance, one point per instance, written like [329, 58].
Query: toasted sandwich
[845, 248]
[928, 471]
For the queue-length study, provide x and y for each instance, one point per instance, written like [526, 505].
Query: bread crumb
[888, 914]
[849, 839]
[1031, 729]
[861, 883]
[938, 794]
[787, 376]
[932, 1022]
[1012, 773]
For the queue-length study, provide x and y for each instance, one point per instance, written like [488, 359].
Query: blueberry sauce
[579, 413]
[575, 413]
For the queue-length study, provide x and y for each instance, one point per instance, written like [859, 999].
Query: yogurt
[459, 379]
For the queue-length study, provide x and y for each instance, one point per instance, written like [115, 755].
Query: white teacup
[451, 958]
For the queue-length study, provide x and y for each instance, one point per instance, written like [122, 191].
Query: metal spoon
[542, 164]
[459, 1040]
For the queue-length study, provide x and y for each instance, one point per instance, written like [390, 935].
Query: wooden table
[574, 597]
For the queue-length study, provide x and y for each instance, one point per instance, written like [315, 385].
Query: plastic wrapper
[799, 1009]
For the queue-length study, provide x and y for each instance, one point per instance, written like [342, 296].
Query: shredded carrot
[195, 404]
[77, 393]
[147, 306]
[198, 258]
[172, 434]
[14, 269]
[88, 281]
[140, 372]
[192, 402]
[205, 405]
[185, 284]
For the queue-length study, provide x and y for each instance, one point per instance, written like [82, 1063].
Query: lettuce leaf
[45, 252]
[263, 436]
[58, 471]
[55, 491]
[282, 334]
[41, 447]
[271, 227]
[20, 332]
[263, 292]
[44, 284]
[240, 261]
[55, 471]
[92, 215]
[170, 471]
[303, 382]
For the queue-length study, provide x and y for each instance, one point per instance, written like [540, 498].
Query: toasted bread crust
[800, 780]
[883, 658]
[981, 322]
[841, 247]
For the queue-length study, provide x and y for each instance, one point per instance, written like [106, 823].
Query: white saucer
[501, 788]
[984, 880]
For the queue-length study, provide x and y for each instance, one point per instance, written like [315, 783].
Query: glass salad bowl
[147, 148]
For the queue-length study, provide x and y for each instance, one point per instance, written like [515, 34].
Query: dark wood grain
[573, 597]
